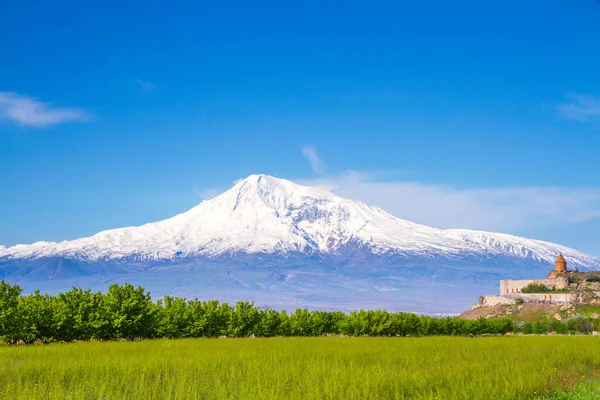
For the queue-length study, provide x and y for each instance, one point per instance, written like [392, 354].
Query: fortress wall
[491, 300]
[515, 286]
[549, 297]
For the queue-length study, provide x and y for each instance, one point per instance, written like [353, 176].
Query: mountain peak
[257, 179]
[261, 182]
[278, 194]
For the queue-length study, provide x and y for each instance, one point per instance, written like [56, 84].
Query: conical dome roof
[560, 264]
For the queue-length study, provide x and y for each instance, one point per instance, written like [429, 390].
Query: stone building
[560, 267]
[558, 278]
[560, 264]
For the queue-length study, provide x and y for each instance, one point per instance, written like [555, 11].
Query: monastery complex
[561, 286]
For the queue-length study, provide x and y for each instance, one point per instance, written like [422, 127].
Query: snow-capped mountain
[265, 223]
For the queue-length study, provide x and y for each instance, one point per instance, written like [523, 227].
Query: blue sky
[482, 115]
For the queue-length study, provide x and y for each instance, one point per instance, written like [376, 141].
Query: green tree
[9, 310]
[272, 323]
[130, 312]
[300, 323]
[101, 318]
[244, 320]
[173, 318]
[74, 314]
[36, 318]
[325, 322]
[208, 318]
[408, 324]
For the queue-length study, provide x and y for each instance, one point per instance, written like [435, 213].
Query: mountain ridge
[263, 214]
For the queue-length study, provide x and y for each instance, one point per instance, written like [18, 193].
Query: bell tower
[560, 264]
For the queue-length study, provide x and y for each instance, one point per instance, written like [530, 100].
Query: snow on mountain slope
[537, 250]
[266, 215]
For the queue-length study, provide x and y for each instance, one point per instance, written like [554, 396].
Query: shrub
[539, 328]
[527, 328]
[536, 288]
[519, 300]
[592, 277]
[556, 326]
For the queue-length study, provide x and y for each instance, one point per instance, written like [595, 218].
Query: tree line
[126, 312]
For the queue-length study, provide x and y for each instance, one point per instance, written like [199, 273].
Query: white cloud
[505, 209]
[317, 165]
[28, 111]
[581, 108]
[144, 86]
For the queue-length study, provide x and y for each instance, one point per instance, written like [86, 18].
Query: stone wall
[491, 300]
[548, 297]
[515, 286]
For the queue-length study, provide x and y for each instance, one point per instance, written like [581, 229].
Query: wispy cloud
[316, 163]
[144, 86]
[580, 108]
[506, 209]
[29, 111]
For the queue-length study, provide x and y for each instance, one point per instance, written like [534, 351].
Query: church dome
[561, 263]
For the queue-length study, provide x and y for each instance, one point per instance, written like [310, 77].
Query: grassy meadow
[301, 368]
[587, 390]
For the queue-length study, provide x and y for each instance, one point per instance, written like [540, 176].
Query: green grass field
[301, 368]
[587, 390]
